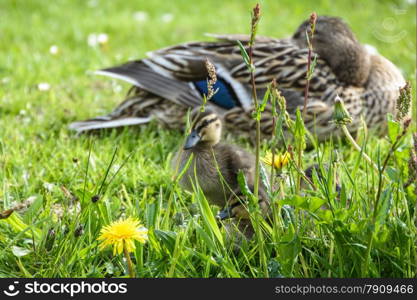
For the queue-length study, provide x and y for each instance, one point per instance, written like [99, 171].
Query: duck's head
[335, 43]
[207, 129]
[237, 207]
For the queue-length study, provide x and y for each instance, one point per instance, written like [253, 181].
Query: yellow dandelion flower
[122, 234]
[280, 160]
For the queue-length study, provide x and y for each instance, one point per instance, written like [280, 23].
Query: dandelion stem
[274, 100]
[357, 147]
[299, 165]
[272, 168]
[129, 261]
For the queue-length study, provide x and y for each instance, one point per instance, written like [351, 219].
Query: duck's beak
[225, 213]
[192, 140]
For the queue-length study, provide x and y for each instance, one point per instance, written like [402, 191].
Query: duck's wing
[179, 74]
[144, 77]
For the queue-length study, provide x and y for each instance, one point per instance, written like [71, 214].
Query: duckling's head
[237, 207]
[335, 42]
[207, 130]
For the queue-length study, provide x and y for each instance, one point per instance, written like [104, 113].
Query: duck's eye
[208, 121]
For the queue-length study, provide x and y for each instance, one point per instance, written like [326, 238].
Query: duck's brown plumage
[165, 82]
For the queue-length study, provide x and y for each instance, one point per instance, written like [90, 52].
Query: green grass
[37, 150]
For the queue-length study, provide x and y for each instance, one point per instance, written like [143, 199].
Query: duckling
[216, 164]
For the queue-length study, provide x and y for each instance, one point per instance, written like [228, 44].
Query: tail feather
[139, 108]
[105, 122]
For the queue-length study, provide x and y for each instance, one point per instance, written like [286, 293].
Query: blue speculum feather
[224, 97]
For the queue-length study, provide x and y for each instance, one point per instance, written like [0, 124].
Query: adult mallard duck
[172, 80]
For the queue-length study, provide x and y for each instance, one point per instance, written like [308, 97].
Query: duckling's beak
[225, 214]
[192, 140]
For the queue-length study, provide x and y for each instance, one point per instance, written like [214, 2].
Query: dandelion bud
[340, 115]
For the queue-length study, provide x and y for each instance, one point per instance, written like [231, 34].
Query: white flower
[48, 186]
[116, 167]
[140, 16]
[95, 39]
[167, 18]
[44, 86]
[92, 3]
[25, 176]
[92, 40]
[54, 50]
[102, 38]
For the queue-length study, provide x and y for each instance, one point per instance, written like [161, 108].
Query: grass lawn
[42, 160]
